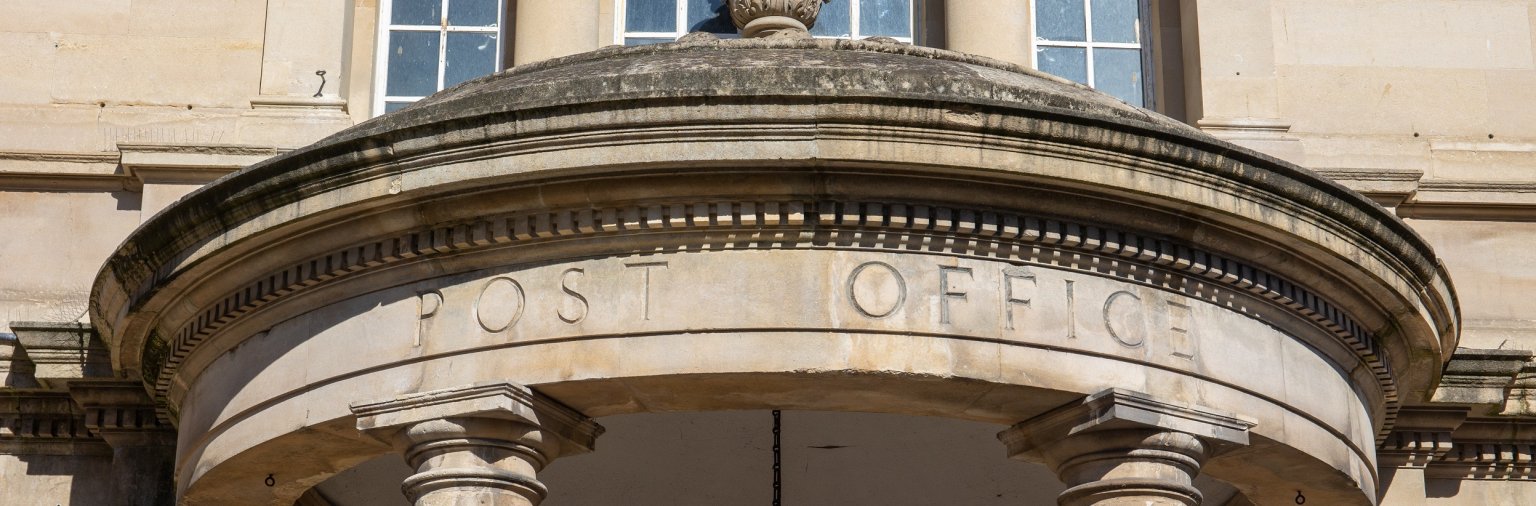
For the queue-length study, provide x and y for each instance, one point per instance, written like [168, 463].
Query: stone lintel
[1480, 377]
[1117, 408]
[148, 163]
[60, 352]
[494, 400]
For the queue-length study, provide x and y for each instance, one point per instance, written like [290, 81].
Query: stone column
[547, 29]
[481, 444]
[998, 29]
[1122, 448]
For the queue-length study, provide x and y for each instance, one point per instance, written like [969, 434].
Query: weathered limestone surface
[45, 276]
[1425, 105]
[803, 259]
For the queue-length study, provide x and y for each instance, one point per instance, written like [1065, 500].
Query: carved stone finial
[762, 18]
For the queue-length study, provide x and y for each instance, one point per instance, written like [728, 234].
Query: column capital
[1119, 448]
[1117, 408]
[478, 444]
[489, 400]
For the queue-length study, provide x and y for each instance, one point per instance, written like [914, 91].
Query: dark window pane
[889, 18]
[395, 106]
[412, 64]
[1115, 20]
[1118, 73]
[1068, 62]
[470, 55]
[472, 12]
[712, 16]
[834, 20]
[1060, 20]
[650, 16]
[416, 12]
[643, 41]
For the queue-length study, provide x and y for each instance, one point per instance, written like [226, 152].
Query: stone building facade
[861, 253]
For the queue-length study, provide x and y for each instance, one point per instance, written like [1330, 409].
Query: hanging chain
[777, 484]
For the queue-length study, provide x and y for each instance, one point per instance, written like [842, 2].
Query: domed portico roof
[684, 147]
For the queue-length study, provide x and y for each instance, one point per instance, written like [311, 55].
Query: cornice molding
[1388, 187]
[299, 103]
[129, 168]
[23, 170]
[41, 416]
[59, 156]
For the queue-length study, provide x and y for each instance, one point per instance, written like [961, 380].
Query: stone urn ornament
[763, 18]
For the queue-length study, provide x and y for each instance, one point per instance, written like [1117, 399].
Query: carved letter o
[500, 304]
[877, 289]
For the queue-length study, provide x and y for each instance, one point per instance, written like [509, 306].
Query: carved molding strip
[34, 416]
[794, 224]
[1486, 461]
[1414, 448]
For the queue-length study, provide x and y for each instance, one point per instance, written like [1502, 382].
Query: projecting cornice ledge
[1413, 196]
[129, 168]
[1447, 442]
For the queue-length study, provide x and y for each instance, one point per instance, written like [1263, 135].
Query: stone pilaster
[143, 446]
[998, 29]
[478, 444]
[553, 28]
[1118, 447]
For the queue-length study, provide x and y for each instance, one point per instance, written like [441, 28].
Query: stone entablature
[874, 226]
[138, 280]
[1446, 443]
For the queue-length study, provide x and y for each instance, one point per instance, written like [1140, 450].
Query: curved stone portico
[702, 226]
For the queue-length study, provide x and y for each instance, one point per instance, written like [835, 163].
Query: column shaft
[993, 28]
[1138, 467]
[474, 461]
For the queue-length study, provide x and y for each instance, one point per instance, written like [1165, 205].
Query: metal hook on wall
[320, 73]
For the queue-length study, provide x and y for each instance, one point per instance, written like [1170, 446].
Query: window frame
[1143, 46]
[621, 10]
[386, 26]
